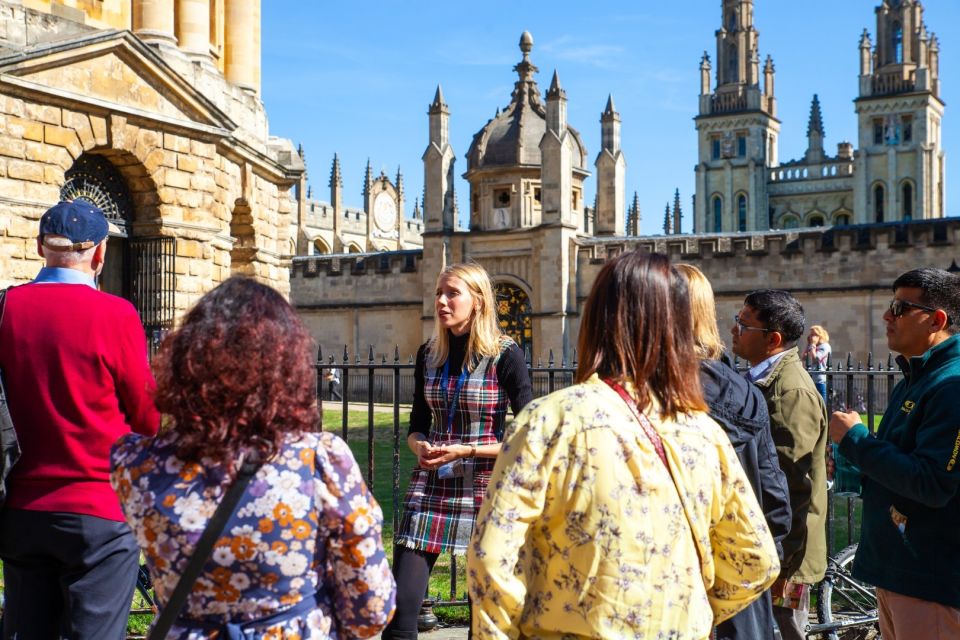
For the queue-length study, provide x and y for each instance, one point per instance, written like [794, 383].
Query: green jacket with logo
[910, 536]
[798, 422]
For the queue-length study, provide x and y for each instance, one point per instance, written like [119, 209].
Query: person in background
[618, 508]
[909, 547]
[302, 555]
[466, 377]
[74, 362]
[740, 409]
[765, 333]
[818, 351]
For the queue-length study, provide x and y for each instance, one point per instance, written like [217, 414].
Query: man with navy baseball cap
[75, 368]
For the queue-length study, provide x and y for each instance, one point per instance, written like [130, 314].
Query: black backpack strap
[202, 551]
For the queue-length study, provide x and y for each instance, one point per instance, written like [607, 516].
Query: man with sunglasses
[765, 333]
[910, 531]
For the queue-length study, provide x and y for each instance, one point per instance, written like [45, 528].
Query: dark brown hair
[636, 326]
[237, 375]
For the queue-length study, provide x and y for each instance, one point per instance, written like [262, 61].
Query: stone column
[242, 43]
[153, 21]
[193, 27]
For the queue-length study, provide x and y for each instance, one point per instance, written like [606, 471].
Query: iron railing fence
[372, 385]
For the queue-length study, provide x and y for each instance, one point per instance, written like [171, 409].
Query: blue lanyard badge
[451, 403]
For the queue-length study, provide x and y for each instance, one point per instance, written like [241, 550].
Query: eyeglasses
[899, 307]
[744, 327]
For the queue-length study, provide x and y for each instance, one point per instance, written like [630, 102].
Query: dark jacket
[739, 407]
[798, 422]
[911, 467]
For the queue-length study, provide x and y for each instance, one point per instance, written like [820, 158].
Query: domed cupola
[512, 138]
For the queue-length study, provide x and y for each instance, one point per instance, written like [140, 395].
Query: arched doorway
[513, 313]
[140, 269]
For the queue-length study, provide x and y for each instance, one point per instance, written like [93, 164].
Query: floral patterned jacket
[583, 533]
[306, 525]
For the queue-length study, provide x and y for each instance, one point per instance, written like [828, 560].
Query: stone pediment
[116, 71]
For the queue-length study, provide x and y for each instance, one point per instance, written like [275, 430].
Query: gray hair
[58, 256]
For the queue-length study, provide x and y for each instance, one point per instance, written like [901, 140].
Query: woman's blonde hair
[820, 332]
[484, 330]
[706, 335]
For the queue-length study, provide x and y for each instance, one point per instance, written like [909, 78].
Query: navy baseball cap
[79, 221]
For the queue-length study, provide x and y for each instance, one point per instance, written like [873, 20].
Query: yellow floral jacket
[583, 534]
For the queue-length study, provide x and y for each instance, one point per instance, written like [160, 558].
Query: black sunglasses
[899, 307]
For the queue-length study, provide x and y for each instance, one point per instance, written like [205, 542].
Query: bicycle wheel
[844, 601]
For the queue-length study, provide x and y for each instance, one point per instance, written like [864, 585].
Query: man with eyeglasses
[910, 531]
[765, 333]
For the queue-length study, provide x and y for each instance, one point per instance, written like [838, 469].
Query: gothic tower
[438, 176]
[611, 169]
[737, 129]
[900, 161]
[555, 149]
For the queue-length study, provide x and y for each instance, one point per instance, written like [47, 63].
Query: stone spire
[815, 124]
[399, 182]
[667, 222]
[633, 226]
[611, 167]
[438, 175]
[556, 106]
[815, 133]
[336, 179]
[705, 74]
[368, 179]
[677, 213]
[416, 209]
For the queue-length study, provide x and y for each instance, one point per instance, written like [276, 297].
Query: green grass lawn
[357, 437]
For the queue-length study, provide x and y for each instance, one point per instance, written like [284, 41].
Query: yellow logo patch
[954, 453]
[908, 406]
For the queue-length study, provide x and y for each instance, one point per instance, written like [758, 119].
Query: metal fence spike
[550, 361]
[396, 354]
[346, 355]
[370, 357]
[320, 353]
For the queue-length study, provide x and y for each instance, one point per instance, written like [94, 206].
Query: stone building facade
[150, 109]
[379, 225]
[531, 230]
[894, 171]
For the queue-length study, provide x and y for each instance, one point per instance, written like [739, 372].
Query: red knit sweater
[75, 368]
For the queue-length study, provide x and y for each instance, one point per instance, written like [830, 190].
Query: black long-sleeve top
[512, 375]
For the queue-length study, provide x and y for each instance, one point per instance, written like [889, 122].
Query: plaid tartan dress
[439, 513]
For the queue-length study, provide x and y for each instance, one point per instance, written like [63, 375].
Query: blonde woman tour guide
[466, 376]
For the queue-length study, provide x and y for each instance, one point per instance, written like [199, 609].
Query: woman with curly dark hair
[302, 555]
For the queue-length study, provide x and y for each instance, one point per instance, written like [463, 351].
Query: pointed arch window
[907, 201]
[741, 212]
[878, 197]
[717, 214]
[816, 220]
[791, 222]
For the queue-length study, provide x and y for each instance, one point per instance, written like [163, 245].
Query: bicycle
[846, 607]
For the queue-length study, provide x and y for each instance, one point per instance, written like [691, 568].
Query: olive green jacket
[798, 421]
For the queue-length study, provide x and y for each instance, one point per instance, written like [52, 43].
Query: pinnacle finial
[438, 96]
[816, 118]
[555, 90]
[610, 110]
[526, 44]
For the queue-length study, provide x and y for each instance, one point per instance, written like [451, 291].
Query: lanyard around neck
[451, 403]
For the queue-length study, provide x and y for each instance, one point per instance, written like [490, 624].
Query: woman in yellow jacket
[617, 507]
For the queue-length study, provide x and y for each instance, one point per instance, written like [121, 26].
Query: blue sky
[356, 79]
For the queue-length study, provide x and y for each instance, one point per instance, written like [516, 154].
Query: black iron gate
[151, 285]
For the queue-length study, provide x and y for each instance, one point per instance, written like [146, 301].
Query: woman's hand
[437, 456]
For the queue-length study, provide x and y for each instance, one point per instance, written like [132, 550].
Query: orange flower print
[306, 456]
[169, 500]
[279, 546]
[301, 529]
[243, 547]
[283, 514]
[189, 471]
[265, 525]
